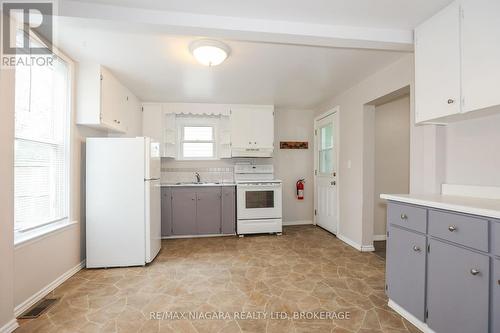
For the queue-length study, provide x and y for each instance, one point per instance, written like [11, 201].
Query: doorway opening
[389, 130]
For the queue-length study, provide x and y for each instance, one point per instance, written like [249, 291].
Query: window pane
[198, 133]
[198, 149]
[325, 161]
[326, 136]
[40, 161]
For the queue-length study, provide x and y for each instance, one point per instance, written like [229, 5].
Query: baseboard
[197, 236]
[300, 222]
[9, 327]
[382, 237]
[359, 247]
[408, 316]
[21, 308]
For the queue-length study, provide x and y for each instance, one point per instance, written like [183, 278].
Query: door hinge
[315, 132]
[428, 248]
[386, 287]
[101, 77]
[426, 313]
[315, 212]
[142, 108]
[315, 172]
[387, 234]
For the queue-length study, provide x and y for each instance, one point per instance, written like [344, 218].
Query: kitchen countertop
[469, 205]
[196, 185]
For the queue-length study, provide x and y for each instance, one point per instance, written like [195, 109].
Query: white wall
[472, 152]
[40, 262]
[356, 183]
[293, 164]
[289, 165]
[392, 155]
[6, 196]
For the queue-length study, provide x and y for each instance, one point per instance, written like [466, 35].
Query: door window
[325, 150]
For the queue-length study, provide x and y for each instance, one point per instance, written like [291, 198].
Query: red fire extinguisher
[300, 189]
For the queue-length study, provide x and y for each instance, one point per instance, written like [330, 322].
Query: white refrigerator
[123, 201]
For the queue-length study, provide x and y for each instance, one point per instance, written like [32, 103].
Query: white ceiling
[159, 68]
[401, 14]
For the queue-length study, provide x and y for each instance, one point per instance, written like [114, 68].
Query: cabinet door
[480, 53]
[496, 296]
[114, 102]
[252, 126]
[228, 210]
[263, 127]
[208, 210]
[183, 211]
[108, 99]
[406, 253]
[152, 121]
[242, 127]
[437, 65]
[166, 211]
[458, 289]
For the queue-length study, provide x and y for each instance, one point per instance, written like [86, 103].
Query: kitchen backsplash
[175, 171]
[181, 175]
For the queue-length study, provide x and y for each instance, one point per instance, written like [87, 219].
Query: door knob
[416, 248]
[474, 271]
[404, 216]
[333, 183]
[452, 228]
[451, 101]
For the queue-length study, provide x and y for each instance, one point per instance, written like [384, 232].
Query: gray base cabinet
[208, 211]
[443, 268]
[495, 285]
[184, 212]
[406, 270]
[198, 210]
[166, 211]
[458, 287]
[228, 210]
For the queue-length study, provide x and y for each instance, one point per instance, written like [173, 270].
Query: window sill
[25, 238]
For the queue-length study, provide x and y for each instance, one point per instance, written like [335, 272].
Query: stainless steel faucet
[198, 178]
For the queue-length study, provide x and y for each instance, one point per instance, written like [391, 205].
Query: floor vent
[39, 308]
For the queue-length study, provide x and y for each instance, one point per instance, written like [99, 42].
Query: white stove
[259, 201]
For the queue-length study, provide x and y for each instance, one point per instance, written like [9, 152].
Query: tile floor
[305, 271]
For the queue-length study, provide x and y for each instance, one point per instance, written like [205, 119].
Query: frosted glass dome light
[209, 52]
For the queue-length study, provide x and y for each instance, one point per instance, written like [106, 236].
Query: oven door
[259, 201]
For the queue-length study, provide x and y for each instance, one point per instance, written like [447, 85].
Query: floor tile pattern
[307, 270]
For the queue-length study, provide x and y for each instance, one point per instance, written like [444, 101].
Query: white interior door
[325, 156]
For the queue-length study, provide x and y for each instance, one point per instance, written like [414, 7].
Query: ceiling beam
[238, 28]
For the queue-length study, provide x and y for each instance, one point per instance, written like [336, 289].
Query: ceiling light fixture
[209, 52]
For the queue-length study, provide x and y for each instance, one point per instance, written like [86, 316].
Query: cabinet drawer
[496, 238]
[461, 229]
[414, 218]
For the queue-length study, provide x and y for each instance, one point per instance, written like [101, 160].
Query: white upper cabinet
[103, 102]
[457, 61]
[480, 54]
[437, 65]
[252, 130]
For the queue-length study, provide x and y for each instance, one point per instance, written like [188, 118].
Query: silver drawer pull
[474, 271]
[452, 228]
[404, 216]
[416, 248]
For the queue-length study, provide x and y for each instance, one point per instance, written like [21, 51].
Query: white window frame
[197, 121]
[26, 236]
